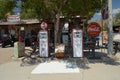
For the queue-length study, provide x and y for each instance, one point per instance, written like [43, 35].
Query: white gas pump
[77, 42]
[43, 41]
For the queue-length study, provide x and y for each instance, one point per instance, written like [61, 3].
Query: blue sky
[16, 10]
[115, 6]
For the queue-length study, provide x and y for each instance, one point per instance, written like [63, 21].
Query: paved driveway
[6, 55]
[95, 70]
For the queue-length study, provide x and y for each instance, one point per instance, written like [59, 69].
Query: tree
[117, 15]
[117, 19]
[6, 7]
[47, 9]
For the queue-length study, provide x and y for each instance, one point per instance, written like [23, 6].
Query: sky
[17, 10]
[115, 9]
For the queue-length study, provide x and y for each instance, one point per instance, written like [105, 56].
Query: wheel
[33, 46]
[27, 58]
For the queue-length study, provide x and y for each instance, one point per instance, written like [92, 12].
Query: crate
[59, 50]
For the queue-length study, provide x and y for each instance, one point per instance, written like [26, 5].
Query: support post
[110, 29]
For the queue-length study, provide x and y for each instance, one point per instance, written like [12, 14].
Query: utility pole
[102, 15]
[110, 28]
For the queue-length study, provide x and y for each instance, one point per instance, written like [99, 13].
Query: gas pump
[77, 42]
[66, 35]
[43, 40]
[19, 47]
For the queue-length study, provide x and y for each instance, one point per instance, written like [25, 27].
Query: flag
[104, 12]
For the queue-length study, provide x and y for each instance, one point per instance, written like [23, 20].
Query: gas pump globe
[66, 25]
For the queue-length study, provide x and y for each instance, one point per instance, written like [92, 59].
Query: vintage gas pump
[19, 47]
[65, 35]
[43, 40]
[77, 42]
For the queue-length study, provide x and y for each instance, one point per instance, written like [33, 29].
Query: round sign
[93, 29]
[43, 25]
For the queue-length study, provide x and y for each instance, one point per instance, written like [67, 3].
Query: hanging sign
[43, 43]
[94, 29]
[13, 18]
[77, 43]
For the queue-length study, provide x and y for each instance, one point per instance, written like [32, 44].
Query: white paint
[56, 67]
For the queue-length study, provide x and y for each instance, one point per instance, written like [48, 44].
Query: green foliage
[29, 13]
[104, 28]
[34, 9]
[6, 7]
[49, 8]
[117, 19]
[117, 16]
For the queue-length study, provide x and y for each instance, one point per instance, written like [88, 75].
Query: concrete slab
[56, 67]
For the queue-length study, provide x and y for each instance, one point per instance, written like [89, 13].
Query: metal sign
[44, 25]
[94, 29]
[43, 43]
[13, 18]
[77, 43]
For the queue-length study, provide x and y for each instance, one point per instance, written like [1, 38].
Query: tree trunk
[57, 22]
[56, 29]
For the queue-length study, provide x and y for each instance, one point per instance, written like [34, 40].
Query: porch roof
[22, 22]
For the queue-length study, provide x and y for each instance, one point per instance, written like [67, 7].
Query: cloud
[98, 15]
[115, 11]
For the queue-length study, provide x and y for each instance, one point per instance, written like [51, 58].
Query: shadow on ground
[83, 63]
[102, 58]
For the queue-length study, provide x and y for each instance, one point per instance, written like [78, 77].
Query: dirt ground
[6, 54]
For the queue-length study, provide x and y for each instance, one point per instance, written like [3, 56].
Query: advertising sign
[43, 25]
[13, 18]
[77, 36]
[43, 43]
[94, 29]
